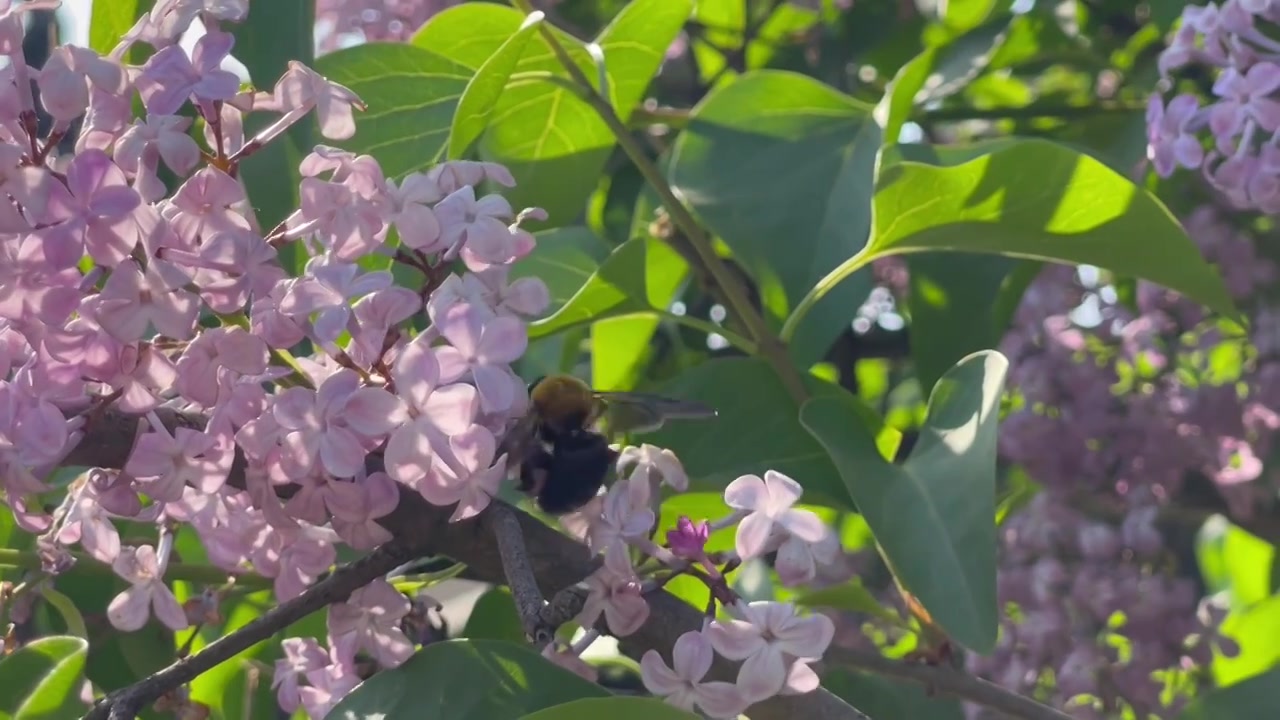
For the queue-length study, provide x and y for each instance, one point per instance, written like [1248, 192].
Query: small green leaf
[851, 596]
[552, 141]
[1236, 562]
[484, 90]
[781, 167]
[1254, 629]
[899, 99]
[934, 515]
[41, 680]
[466, 680]
[1249, 699]
[757, 429]
[494, 616]
[411, 94]
[614, 708]
[1032, 199]
[109, 21]
[639, 276]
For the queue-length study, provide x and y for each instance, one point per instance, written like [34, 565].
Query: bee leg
[533, 473]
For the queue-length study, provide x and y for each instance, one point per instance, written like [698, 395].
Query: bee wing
[631, 412]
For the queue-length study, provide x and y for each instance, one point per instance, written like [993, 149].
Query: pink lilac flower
[337, 424]
[372, 614]
[134, 300]
[141, 147]
[767, 504]
[164, 464]
[626, 516]
[614, 591]
[302, 88]
[87, 523]
[170, 76]
[681, 684]
[376, 314]
[326, 289]
[770, 638]
[653, 463]
[480, 225]
[689, 539]
[355, 520]
[301, 656]
[437, 412]
[205, 205]
[92, 213]
[465, 472]
[215, 356]
[148, 593]
[1171, 134]
[1245, 96]
[481, 345]
[32, 284]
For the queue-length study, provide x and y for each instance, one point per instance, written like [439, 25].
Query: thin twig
[520, 577]
[947, 680]
[126, 703]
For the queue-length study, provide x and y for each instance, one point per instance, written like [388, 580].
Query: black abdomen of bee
[576, 466]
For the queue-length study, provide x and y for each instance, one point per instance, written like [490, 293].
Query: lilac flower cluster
[1108, 425]
[1235, 39]
[116, 291]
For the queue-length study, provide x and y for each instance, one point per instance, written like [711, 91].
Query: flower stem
[192, 572]
[770, 347]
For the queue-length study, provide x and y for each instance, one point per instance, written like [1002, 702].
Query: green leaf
[851, 596]
[899, 99]
[552, 141]
[466, 680]
[639, 276]
[619, 348]
[109, 21]
[494, 616]
[1032, 199]
[411, 94]
[485, 89]
[41, 680]
[934, 515]
[781, 166]
[1233, 560]
[1254, 629]
[880, 697]
[1249, 699]
[963, 15]
[614, 708]
[953, 299]
[757, 429]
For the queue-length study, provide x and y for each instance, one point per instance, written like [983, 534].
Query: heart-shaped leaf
[934, 515]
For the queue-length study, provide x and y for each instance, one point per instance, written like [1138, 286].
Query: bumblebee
[563, 459]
